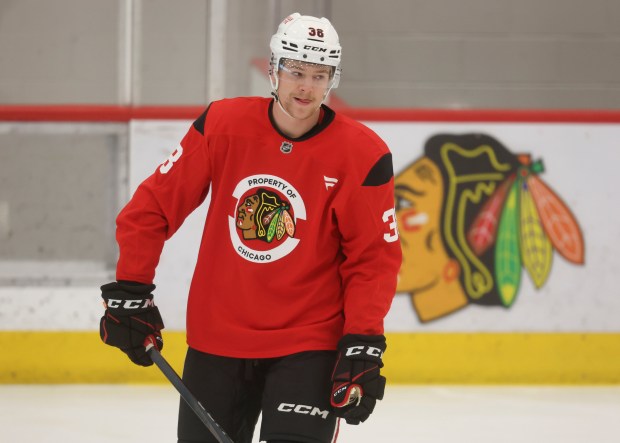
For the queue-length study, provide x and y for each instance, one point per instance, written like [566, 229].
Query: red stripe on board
[105, 113]
[95, 113]
[484, 115]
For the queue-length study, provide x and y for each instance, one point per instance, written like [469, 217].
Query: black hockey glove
[130, 317]
[357, 381]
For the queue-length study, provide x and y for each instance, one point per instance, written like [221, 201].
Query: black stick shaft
[189, 398]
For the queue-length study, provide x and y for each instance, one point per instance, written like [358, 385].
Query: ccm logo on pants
[302, 409]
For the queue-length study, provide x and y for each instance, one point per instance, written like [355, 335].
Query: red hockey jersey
[300, 244]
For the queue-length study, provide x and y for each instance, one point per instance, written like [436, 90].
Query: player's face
[302, 87]
[419, 197]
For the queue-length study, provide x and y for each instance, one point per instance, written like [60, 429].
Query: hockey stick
[189, 398]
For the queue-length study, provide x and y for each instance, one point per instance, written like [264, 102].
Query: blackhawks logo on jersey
[264, 216]
[263, 226]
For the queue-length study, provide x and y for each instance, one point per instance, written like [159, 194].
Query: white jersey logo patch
[267, 211]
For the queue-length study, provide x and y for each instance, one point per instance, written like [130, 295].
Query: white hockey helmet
[307, 39]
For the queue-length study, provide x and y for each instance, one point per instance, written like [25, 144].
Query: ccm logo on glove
[129, 304]
[368, 350]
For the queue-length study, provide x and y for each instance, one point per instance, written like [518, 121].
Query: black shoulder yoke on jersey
[328, 117]
[381, 172]
[199, 124]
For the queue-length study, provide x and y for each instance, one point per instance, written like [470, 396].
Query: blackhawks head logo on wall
[267, 210]
[472, 215]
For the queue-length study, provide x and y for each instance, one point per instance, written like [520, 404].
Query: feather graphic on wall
[533, 221]
[482, 233]
[507, 256]
[558, 221]
[536, 251]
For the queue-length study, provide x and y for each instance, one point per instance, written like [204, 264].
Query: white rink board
[580, 162]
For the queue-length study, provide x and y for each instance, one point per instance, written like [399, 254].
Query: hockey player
[298, 261]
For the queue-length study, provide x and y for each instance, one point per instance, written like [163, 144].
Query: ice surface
[417, 414]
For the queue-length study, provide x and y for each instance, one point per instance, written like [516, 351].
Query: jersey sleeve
[160, 205]
[371, 247]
